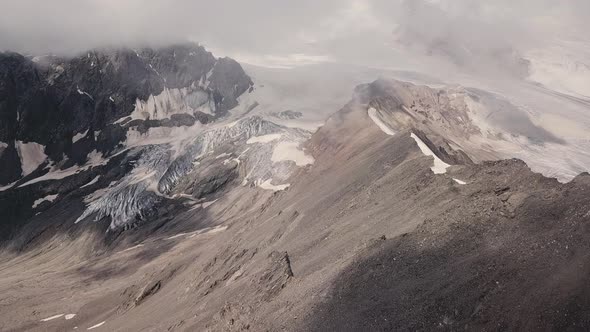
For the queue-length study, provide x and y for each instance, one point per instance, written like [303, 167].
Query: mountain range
[166, 189]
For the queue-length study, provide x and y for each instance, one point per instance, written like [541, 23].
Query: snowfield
[290, 151]
[564, 68]
[269, 186]
[79, 136]
[48, 198]
[31, 156]
[263, 139]
[440, 167]
[374, 115]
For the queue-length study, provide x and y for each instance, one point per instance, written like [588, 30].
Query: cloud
[286, 33]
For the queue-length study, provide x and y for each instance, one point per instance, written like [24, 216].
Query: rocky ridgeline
[69, 106]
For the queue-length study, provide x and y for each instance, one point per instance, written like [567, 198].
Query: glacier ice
[160, 167]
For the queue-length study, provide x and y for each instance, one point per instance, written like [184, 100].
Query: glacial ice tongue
[159, 169]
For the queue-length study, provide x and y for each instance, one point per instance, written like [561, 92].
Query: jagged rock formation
[144, 127]
[71, 105]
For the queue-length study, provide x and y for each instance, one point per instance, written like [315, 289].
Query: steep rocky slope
[387, 224]
[120, 129]
[70, 106]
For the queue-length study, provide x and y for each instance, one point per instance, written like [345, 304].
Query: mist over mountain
[254, 166]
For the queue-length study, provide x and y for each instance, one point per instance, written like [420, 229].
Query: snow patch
[269, 186]
[186, 100]
[51, 318]
[3, 145]
[207, 204]
[49, 198]
[94, 159]
[95, 180]
[97, 325]
[562, 68]
[84, 93]
[290, 151]
[207, 230]
[225, 154]
[440, 167]
[31, 156]
[177, 137]
[79, 136]
[459, 181]
[69, 316]
[374, 115]
[264, 138]
[231, 124]
[8, 186]
[133, 248]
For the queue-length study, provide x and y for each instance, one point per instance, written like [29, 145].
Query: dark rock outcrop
[50, 99]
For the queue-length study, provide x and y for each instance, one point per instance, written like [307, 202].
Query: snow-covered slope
[564, 68]
[482, 124]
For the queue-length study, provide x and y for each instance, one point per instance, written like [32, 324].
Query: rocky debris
[277, 275]
[232, 317]
[149, 290]
[135, 295]
[224, 268]
[471, 266]
[288, 115]
[211, 178]
[229, 81]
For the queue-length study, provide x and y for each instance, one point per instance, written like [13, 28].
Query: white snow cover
[69, 316]
[564, 67]
[54, 174]
[79, 136]
[94, 159]
[172, 101]
[268, 186]
[208, 204]
[263, 139]
[290, 151]
[49, 198]
[177, 137]
[223, 155]
[373, 114]
[95, 180]
[31, 156]
[8, 186]
[459, 181]
[440, 167]
[51, 318]
[3, 145]
[97, 325]
[207, 230]
[133, 248]
[552, 159]
[84, 93]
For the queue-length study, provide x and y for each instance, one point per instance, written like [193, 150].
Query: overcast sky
[285, 32]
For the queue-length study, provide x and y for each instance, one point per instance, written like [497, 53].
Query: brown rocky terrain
[366, 238]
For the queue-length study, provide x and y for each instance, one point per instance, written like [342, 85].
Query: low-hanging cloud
[358, 31]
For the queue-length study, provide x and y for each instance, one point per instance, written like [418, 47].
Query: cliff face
[71, 106]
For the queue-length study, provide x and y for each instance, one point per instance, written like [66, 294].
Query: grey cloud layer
[349, 30]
